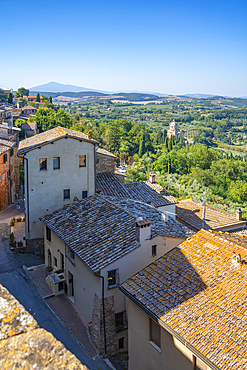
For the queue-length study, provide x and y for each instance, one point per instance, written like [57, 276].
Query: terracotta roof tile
[191, 212]
[160, 190]
[199, 290]
[51, 135]
[105, 152]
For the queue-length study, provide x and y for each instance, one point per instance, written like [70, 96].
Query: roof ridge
[116, 205]
[61, 129]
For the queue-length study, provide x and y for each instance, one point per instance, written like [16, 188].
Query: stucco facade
[44, 188]
[87, 287]
[145, 355]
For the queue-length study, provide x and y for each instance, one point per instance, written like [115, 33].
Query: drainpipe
[27, 195]
[103, 308]
[194, 362]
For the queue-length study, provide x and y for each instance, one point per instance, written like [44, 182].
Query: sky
[172, 47]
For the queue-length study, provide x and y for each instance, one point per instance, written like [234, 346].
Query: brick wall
[105, 163]
[5, 182]
[14, 174]
[97, 328]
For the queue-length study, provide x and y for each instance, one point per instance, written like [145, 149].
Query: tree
[142, 145]
[10, 98]
[238, 191]
[21, 92]
[38, 98]
[113, 137]
[50, 99]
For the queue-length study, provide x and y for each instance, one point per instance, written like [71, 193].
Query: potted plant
[23, 218]
[12, 222]
[20, 244]
[14, 244]
[18, 219]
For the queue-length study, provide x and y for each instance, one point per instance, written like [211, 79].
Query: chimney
[90, 135]
[152, 177]
[11, 139]
[239, 214]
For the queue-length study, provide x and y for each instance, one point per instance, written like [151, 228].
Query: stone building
[196, 216]
[187, 310]
[174, 131]
[9, 173]
[100, 242]
[105, 161]
[59, 169]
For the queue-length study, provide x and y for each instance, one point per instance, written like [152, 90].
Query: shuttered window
[154, 332]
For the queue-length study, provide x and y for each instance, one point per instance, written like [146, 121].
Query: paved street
[13, 277]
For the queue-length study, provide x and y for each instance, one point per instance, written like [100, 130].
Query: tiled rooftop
[199, 290]
[29, 125]
[155, 186]
[98, 231]
[104, 152]
[108, 184]
[51, 135]
[191, 212]
[102, 229]
[142, 192]
[170, 227]
[7, 143]
[160, 190]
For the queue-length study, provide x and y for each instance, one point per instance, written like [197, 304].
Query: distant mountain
[199, 96]
[57, 87]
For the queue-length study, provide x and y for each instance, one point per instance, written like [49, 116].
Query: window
[5, 158]
[82, 161]
[154, 250]
[43, 164]
[56, 163]
[120, 321]
[154, 332]
[66, 194]
[71, 254]
[11, 152]
[121, 343]
[48, 233]
[84, 194]
[113, 278]
[55, 261]
[8, 174]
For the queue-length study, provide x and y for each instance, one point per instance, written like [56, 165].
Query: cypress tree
[50, 99]
[10, 98]
[142, 145]
[38, 98]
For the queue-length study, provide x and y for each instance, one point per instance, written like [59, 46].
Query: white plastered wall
[46, 187]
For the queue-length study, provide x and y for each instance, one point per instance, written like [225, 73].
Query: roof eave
[169, 330]
[32, 147]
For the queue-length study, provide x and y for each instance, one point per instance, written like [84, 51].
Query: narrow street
[13, 277]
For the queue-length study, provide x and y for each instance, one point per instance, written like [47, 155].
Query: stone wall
[24, 345]
[105, 163]
[97, 328]
[30, 245]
